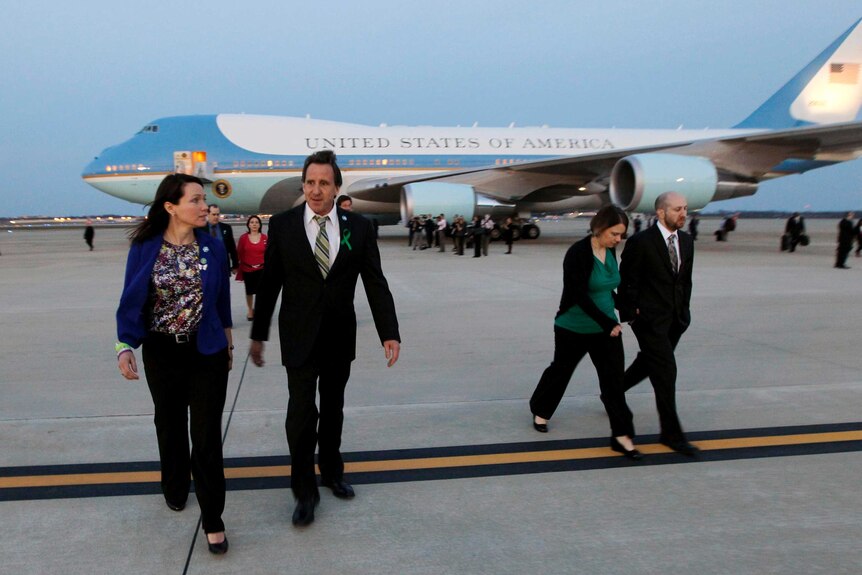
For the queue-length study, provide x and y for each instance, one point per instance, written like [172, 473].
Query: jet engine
[636, 181]
[449, 199]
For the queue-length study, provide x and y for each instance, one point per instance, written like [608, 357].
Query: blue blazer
[132, 325]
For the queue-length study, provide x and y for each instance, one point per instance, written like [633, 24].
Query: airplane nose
[92, 167]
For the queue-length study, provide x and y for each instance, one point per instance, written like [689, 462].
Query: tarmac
[449, 474]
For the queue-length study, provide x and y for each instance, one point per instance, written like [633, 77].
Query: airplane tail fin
[826, 91]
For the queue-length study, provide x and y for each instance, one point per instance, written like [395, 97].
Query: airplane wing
[518, 177]
[747, 155]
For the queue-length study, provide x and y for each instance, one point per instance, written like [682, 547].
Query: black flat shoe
[175, 506]
[632, 454]
[340, 488]
[681, 446]
[540, 427]
[218, 548]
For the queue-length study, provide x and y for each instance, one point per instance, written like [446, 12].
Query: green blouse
[603, 281]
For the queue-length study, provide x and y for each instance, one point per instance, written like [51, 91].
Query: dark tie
[671, 250]
[321, 246]
[213, 231]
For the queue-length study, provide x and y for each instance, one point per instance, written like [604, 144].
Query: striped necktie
[671, 250]
[321, 246]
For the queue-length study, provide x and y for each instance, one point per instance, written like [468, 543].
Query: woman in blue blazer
[176, 303]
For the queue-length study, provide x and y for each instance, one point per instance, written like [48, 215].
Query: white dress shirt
[333, 231]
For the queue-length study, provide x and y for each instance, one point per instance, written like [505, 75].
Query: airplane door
[191, 163]
[183, 163]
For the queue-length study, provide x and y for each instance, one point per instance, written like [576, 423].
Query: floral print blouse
[175, 290]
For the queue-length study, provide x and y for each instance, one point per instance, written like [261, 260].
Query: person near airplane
[250, 251]
[794, 230]
[654, 296]
[221, 230]
[176, 304]
[345, 202]
[89, 234]
[314, 256]
[586, 323]
[845, 241]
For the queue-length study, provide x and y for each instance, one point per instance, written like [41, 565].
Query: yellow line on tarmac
[434, 462]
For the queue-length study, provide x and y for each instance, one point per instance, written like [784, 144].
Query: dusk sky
[79, 77]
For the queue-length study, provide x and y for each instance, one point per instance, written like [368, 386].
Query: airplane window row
[506, 161]
[263, 164]
[383, 162]
[125, 168]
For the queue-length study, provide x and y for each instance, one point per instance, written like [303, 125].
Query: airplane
[252, 164]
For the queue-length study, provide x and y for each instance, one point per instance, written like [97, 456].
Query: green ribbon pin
[345, 239]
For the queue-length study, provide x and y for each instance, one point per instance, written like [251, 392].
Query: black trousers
[183, 381]
[608, 357]
[842, 252]
[656, 360]
[308, 427]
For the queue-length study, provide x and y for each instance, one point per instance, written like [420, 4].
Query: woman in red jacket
[250, 250]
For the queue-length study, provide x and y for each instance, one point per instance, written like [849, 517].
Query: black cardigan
[577, 269]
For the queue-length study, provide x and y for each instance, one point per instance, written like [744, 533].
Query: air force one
[252, 164]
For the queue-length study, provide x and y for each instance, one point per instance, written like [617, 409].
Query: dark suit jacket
[229, 244]
[312, 307]
[647, 281]
[845, 232]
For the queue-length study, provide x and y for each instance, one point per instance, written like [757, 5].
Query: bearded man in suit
[655, 293]
[314, 256]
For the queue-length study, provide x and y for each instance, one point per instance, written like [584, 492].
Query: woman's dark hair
[608, 217]
[323, 157]
[170, 190]
[248, 222]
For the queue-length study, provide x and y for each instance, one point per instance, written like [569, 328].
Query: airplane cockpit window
[149, 128]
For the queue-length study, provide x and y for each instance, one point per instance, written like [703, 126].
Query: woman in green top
[587, 324]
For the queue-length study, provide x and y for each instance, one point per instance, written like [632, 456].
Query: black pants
[306, 427]
[183, 381]
[842, 252]
[608, 357]
[656, 360]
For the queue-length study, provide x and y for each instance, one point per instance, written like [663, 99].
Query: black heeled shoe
[540, 427]
[175, 506]
[632, 454]
[218, 548]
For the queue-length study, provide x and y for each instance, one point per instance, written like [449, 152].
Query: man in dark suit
[845, 241]
[655, 291]
[219, 229]
[314, 255]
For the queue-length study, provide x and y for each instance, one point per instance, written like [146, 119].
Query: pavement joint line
[438, 462]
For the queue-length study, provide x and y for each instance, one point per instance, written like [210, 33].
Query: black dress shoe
[340, 488]
[304, 513]
[632, 454]
[681, 446]
[540, 427]
[175, 506]
[218, 548]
